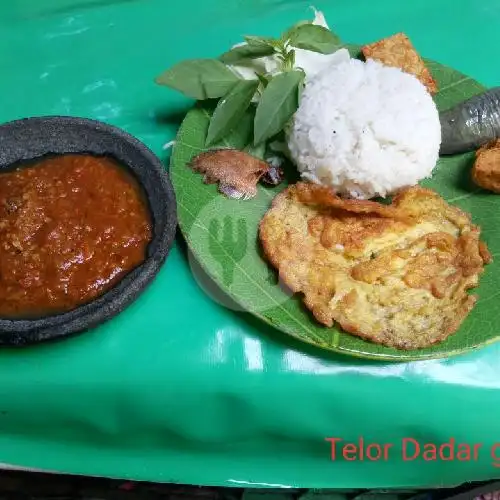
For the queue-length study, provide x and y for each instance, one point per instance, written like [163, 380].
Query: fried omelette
[394, 274]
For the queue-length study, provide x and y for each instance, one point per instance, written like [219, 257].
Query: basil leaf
[289, 60]
[247, 51]
[315, 38]
[230, 109]
[264, 80]
[199, 78]
[260, 41]
[288, 33]
[278, 103]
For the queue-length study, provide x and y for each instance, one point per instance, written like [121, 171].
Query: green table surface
[178, 387]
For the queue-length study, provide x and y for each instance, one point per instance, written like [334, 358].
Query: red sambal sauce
[71, 227]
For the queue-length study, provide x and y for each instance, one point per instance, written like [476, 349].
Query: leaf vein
[454, 84]
[463, 196]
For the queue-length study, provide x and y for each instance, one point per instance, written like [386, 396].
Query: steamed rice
[365, 129]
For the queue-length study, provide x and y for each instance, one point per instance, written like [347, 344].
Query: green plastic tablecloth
[178, 387]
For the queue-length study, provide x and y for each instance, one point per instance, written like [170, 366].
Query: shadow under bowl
[29, 139]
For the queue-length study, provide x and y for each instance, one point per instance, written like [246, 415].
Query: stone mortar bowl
[31, 138]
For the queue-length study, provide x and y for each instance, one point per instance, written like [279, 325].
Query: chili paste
[71, 227]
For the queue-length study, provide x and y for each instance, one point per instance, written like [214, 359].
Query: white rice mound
[365, 129]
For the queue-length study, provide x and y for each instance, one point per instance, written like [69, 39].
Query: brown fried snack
[236, 172]
[486, 169]
[394, 274]
[398, 51]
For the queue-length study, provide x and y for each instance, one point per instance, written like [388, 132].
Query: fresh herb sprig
[278, 93]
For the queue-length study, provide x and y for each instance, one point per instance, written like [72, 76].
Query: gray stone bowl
[32, 138]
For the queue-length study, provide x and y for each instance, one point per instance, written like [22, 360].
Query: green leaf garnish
[288, 33]
[261, 41]
[230, 109]
[264, 79]
[315, 38]
[244, 52]
[278, 103]
[204, 79]
[289, 60]
[199, 78]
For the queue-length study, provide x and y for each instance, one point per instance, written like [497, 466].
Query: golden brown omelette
[394, 274]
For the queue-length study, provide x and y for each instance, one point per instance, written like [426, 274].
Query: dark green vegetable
[247, 51]
[315, 38]
[199, 78]
[471, 123]
[279, 91]
[230, 110]
[278, 103]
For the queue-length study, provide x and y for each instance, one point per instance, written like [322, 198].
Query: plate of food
[344, 194]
